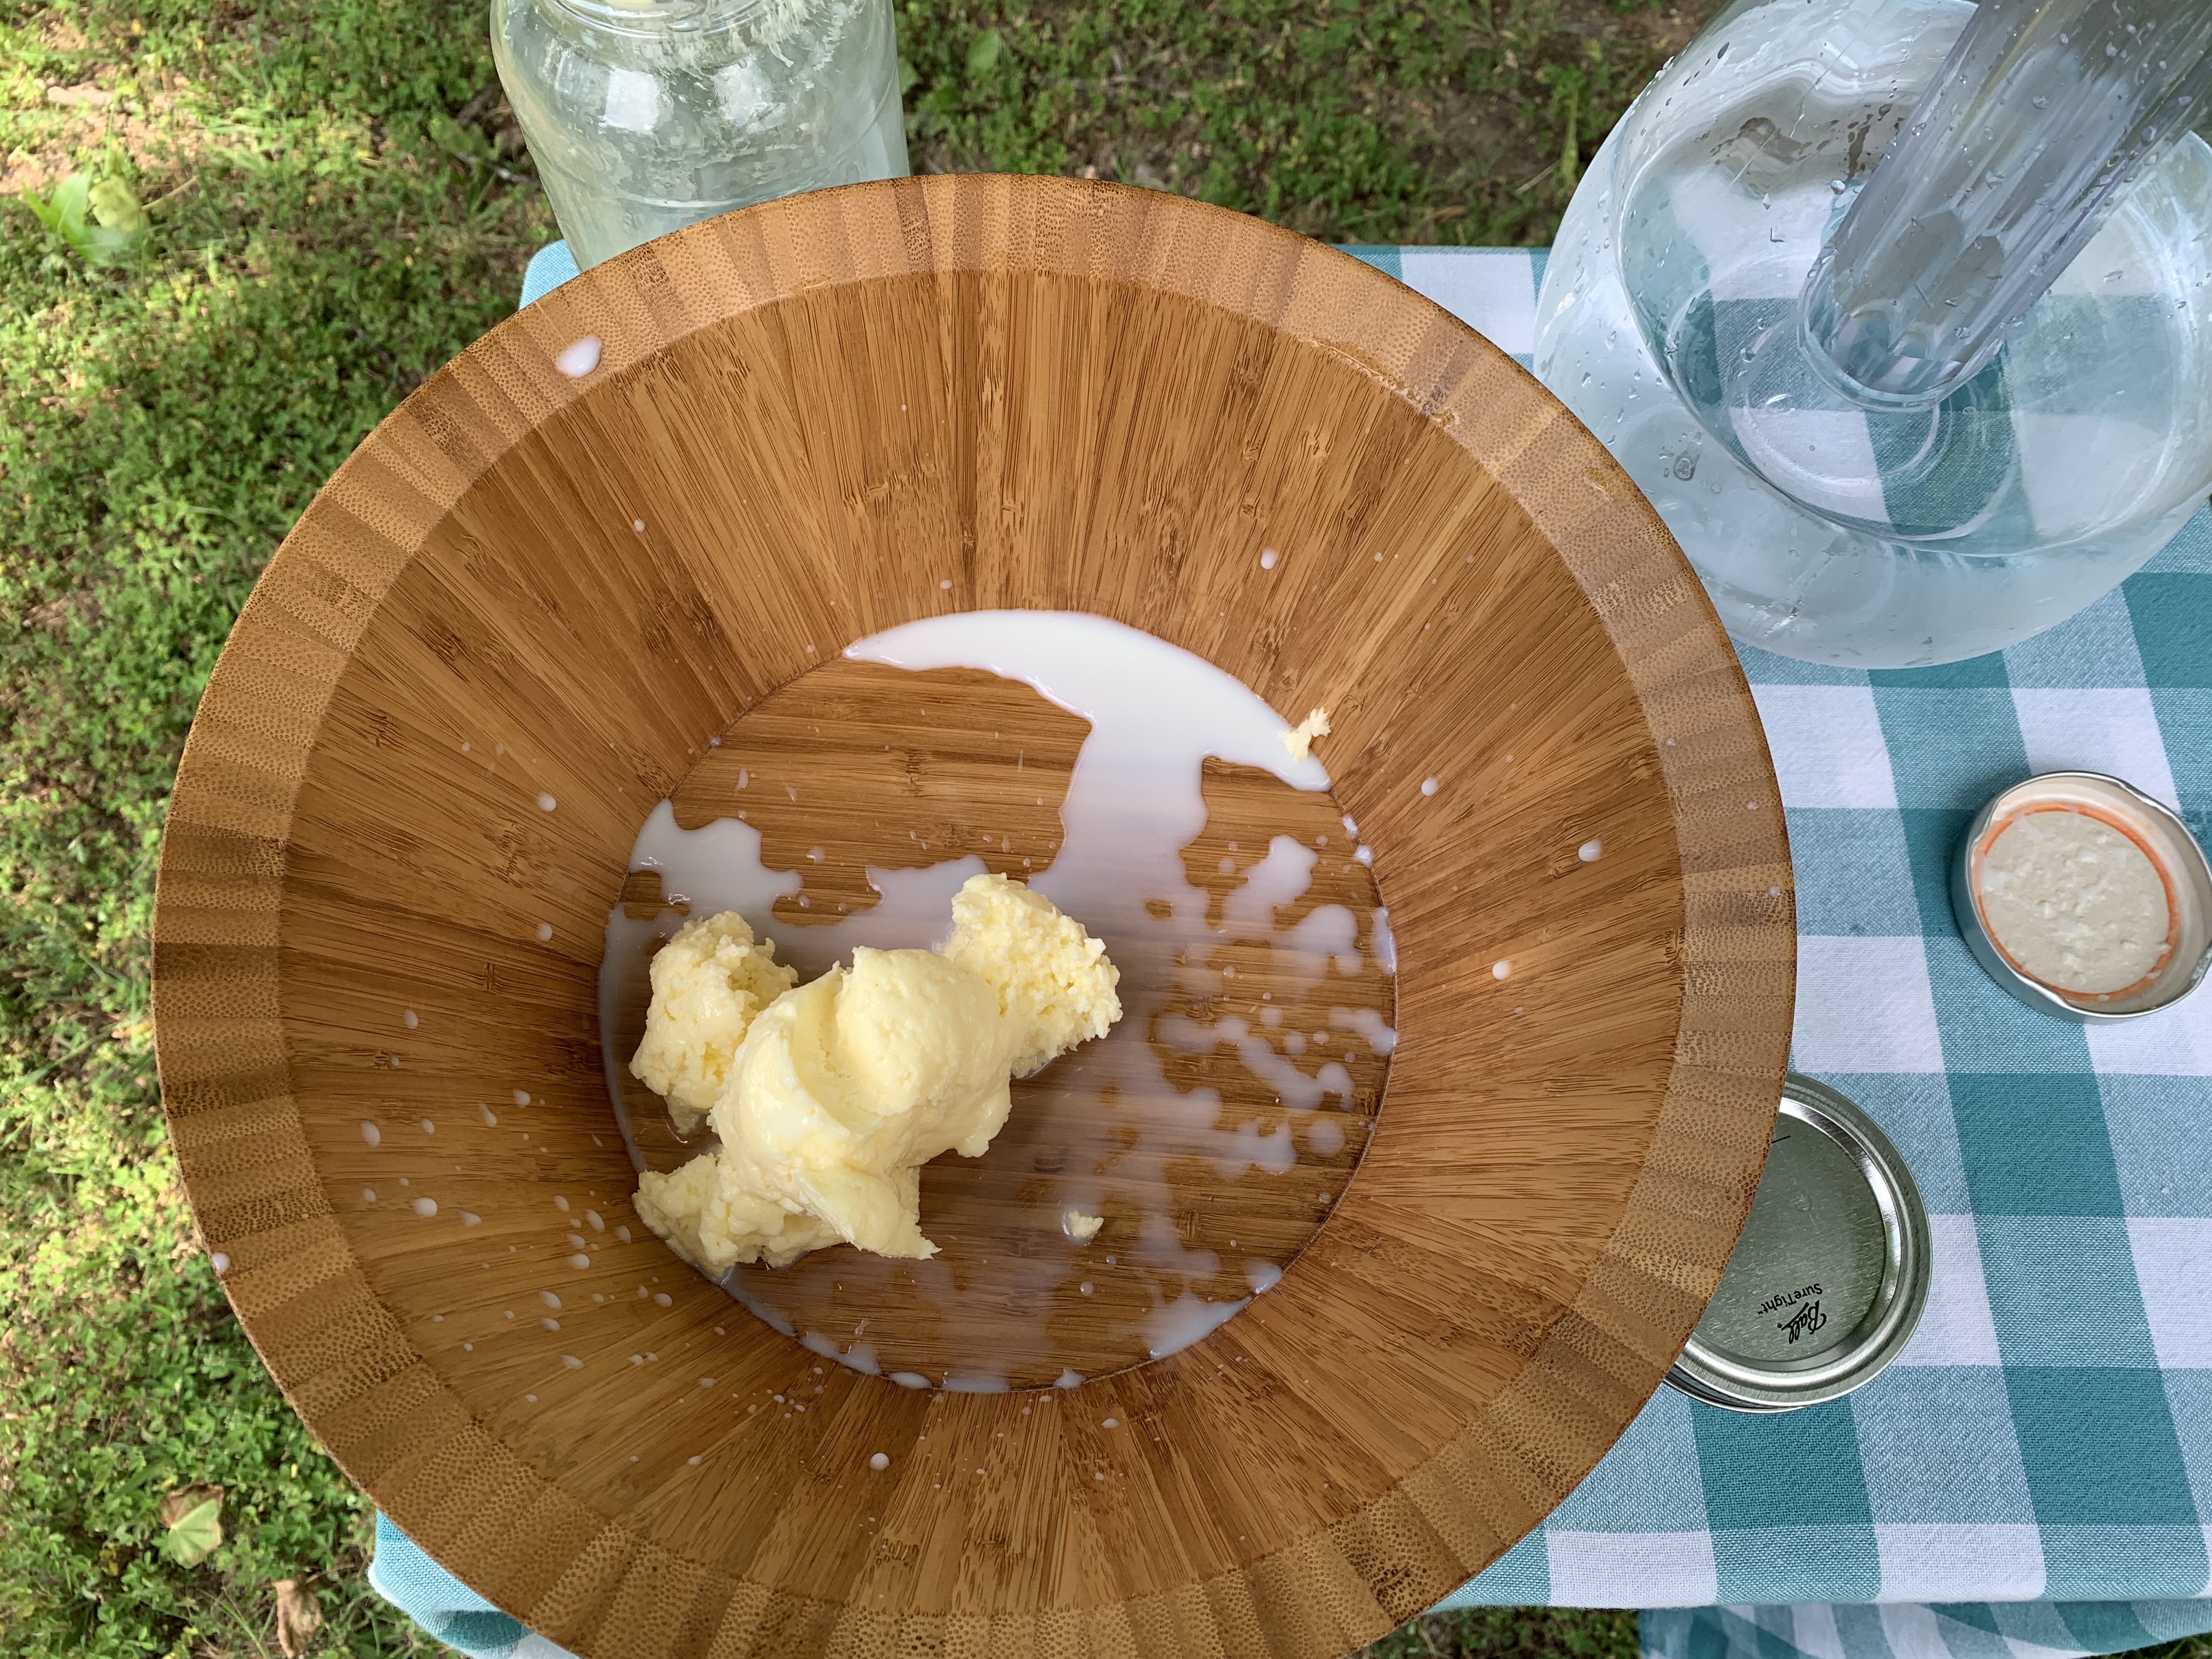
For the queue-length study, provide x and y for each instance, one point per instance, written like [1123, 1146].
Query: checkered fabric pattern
[2034, 1473]
[2047, 1438]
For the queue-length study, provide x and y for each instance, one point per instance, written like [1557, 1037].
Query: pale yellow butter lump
[1054, 982]
[708, 982]
[838, 1091]
[1299, 739]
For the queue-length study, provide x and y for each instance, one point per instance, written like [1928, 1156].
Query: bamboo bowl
[835, 414]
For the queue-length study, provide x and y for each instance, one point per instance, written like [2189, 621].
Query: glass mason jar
[1900, 312]
[644, 116]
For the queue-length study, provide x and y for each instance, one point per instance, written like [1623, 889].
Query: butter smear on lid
[2085, 898]
[2075, 902]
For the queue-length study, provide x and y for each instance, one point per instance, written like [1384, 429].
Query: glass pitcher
[1897, 310]
[644, 116]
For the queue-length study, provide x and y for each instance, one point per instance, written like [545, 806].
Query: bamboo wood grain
[1045, 394]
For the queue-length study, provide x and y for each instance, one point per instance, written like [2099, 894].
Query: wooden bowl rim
[1329, 1583]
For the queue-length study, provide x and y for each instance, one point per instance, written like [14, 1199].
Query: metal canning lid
[2162, 837]
[1829, 1278]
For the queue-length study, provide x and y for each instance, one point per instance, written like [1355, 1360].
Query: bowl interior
[377, 951]
[1209, 1133]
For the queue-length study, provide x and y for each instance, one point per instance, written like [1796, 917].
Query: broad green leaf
[983, 53]
[102, 221]
[116, 205]
[195, 1534]
[63, 212]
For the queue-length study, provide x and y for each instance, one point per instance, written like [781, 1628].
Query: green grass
[1381, 121]
[338, 203]
[314, 253]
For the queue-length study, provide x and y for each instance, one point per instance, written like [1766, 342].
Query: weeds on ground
[258, 235]
[1352, 120]
[1511, 1633]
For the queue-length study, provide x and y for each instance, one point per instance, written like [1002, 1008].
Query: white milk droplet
[220, 1262]
[561, 1202]
[490, 1118]
[638, 524]
[371, 1133]
[1428, 786]
[579, 1260]
[1590, 851]
[522, 1097]
[428, 1127]
[663, 1299]
[576, 1364]
[546, 803]
[545, 930]
[623, 1233]
[1266, 558]
[1186, 1319]
[1111, 1422]
[368, 1194]
[548, 1298]
[579, 357]
[597, 1224]
[879, 1462]
[1499, 969]
[470, 1218]
[426, 1206]
[411, 1019]
[1369, 1025]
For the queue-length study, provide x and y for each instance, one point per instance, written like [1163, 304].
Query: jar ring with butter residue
[2151, 828]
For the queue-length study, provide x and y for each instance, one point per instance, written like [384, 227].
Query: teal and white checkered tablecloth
[2033, 1476]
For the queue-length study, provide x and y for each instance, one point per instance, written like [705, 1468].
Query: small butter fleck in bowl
[2085, 898]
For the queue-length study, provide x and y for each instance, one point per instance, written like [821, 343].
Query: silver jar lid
[2162, 837]
[1830, 1274]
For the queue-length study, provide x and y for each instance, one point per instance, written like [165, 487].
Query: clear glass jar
[644, 116]
[1899, 311]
